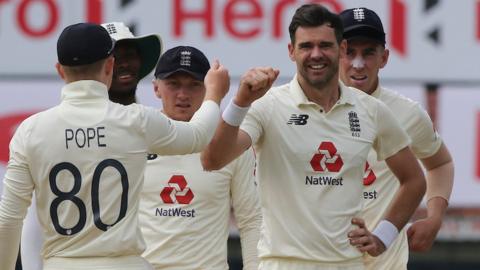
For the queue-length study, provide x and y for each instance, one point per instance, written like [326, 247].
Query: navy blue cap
[182, 58]
[83, 43]
[362, 23]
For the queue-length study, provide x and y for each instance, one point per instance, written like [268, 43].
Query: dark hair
[312, 15]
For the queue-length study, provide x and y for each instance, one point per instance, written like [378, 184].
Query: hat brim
[363, 31]
[197, 75]
[150, 48]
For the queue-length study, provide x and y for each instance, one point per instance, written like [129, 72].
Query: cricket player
[366, 55]
[135, 58]
[312, 137]
[85, 160]
[184, 210]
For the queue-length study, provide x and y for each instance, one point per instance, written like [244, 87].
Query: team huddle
[322, 172]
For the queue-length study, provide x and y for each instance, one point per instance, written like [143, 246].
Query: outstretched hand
[254, 84]
[364, 240]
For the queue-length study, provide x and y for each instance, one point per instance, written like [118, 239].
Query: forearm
[11, 222]
[406, 201]
[440, 182]
[436, 208]
[223, 148]
[9, 244]
[249, 239]
[205, 121]
[184, 137]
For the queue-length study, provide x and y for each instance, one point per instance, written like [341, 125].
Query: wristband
[386, 232]
[234, 114]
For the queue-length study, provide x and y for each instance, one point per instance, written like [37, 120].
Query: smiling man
[312, 137]
[135, 57]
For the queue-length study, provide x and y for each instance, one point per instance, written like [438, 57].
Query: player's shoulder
[398, 102]
[130, 114]
[357, 96]
[36, 119]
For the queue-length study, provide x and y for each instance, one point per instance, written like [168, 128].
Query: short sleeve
[391, 137]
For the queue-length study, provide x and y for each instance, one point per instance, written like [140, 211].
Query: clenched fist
[254, 84]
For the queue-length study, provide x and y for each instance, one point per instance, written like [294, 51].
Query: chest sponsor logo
[354, 124]
[368, 178]
[326, 159]
[177, 191]
[323, 181]
[298, 119]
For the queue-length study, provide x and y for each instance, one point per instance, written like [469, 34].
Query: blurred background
[434, 59]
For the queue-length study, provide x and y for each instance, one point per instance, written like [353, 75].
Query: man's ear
[386, 54]
[156, 88]
[60, 72]
[291, 54]
[109, 63]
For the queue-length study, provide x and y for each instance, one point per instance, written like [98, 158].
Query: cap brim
[362, 31]
[196, 75]
[150, 48]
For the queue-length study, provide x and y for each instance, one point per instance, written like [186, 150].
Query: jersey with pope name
[310, 167]
[381, 184]
[85, 160]
[185, 212]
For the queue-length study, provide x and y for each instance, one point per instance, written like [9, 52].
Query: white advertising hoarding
[429, 40]
[458, 116]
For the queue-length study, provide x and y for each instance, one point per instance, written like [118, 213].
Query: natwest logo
[177, 191]
[369, 177]
[326, 159]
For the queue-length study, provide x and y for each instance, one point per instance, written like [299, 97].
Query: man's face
[181, 94]
[316, 53]
[362, 63]
[127, 66]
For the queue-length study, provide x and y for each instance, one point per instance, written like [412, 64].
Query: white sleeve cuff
[386, 232]
[234, 114]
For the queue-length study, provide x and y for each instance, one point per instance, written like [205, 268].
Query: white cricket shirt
[381, 184]
[85, 160]
[310, 167]
[185, 212]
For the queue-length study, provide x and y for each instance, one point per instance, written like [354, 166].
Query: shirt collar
[377, 91]
[83, 90]
[300, 99]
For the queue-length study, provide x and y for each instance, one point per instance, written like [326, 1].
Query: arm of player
[229, 141]
[16, 198]
[246, 208]
[169, 137]
[392, 144]
[412, 188]
[407, 170]
[439, 175]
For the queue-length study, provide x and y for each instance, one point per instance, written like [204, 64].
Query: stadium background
[435, 48]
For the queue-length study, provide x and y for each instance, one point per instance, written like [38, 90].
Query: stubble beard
[319, 84]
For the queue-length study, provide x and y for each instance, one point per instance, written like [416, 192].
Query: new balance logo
[298, 119]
